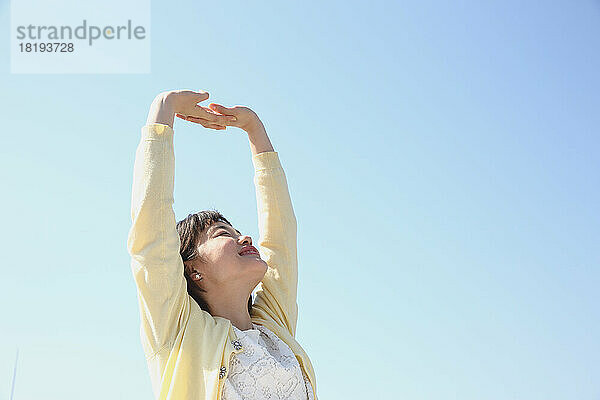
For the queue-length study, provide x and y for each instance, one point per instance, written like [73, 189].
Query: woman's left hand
[246, 119]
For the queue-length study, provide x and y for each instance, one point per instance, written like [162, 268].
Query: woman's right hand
[185, 102]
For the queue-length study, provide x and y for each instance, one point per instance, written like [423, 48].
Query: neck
[233, 308]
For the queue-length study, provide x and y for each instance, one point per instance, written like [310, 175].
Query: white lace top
[265, 369]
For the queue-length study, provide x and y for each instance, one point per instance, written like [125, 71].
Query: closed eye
[223, 233]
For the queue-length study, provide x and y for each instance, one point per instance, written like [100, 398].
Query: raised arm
[153, 241]
[277, 228]
[276, 300]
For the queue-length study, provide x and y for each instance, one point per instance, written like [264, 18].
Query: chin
[255, 264]
[263, 267]
[260, 273]
[263, 264]
[254, 259]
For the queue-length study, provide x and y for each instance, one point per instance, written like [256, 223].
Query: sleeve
[276, 299]
[153, 241]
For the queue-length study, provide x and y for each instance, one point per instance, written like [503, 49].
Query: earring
[197, 276]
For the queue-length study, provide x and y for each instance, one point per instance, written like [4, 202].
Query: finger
[202, 95]
[208, 110]
[214, 117]
[238, 112]
[223, 110]
[220, 119]
[206, 117]
[212, 126]
[204, 123]
[197, 96]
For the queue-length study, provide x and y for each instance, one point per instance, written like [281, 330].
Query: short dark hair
[189, 230]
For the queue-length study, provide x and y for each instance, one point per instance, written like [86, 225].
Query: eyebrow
[214, 228]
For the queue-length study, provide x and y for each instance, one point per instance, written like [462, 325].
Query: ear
[196, 276]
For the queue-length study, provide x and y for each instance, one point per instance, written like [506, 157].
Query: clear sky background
[443, 163]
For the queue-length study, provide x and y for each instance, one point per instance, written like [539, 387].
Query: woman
[202, 335]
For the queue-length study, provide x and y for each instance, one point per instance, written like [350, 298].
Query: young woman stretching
[202, 335]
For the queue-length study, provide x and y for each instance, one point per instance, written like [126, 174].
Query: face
[227, 262]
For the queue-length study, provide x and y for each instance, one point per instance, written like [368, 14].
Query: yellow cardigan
[187, 350]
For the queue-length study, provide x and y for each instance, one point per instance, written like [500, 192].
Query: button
[237, 344]
[222, 372]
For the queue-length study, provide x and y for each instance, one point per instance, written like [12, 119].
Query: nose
[246, 240]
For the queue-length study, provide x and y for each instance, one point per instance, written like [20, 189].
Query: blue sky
[443, 166]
